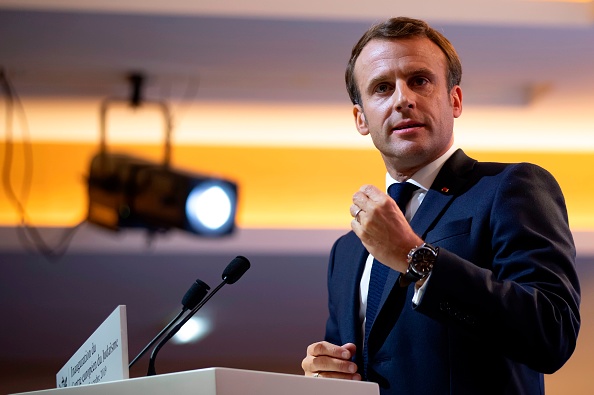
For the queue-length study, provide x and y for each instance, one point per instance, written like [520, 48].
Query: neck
[401, 177]
[402, 171]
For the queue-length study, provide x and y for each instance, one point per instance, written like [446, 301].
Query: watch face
[423, 260]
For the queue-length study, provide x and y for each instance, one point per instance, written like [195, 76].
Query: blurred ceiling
[523, 12]
[513, 51]
[527, 65]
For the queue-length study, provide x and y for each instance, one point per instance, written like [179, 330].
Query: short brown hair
[403, 27]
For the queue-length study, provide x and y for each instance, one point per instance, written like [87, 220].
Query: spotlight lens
[209, 207]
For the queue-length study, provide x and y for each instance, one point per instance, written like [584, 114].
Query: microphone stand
[191, 299]
[145, 349]
[233, 272]
[151, 368]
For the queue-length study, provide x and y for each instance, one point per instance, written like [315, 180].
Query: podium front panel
[221, 381]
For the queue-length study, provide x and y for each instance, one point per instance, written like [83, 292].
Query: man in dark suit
[481, 294]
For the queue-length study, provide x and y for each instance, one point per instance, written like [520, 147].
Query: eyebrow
[423, 70]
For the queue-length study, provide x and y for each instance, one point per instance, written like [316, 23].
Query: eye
[419, 81]
[383, 88]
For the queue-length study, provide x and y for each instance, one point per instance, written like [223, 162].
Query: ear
[360, 120]
[456, 100]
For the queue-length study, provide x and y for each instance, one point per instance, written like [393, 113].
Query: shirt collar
[426, 175]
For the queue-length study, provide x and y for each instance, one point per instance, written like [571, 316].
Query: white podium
[221, 381]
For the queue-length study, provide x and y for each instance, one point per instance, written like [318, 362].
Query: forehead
[401, 54]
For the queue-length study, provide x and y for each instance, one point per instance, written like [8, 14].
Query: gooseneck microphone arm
[151, 369]
[145, 349]
[233, 272]
[190, 300]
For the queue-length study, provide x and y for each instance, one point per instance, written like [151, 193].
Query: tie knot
[401, 192]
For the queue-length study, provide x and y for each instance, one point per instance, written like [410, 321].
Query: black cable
[189, 94]
[28, 234]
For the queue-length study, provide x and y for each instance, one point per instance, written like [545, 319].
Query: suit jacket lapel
[352, 328]
[448, 183]
[391, 281]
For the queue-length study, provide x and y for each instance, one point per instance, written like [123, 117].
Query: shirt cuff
[419, 292]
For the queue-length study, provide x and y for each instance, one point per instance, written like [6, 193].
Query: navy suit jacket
[502, 304]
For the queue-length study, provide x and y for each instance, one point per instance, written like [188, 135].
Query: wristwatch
[420, 262]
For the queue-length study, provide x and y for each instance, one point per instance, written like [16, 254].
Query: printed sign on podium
[102, 358]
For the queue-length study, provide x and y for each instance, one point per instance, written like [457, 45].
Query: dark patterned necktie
[401, 193]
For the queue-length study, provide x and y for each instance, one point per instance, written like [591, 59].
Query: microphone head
[235, 269]
[195, 294]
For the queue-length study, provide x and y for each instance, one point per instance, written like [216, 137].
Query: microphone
[191, 299]
[235, 269]
[233, 272]
[195, 294]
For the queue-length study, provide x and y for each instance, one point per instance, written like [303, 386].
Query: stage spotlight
[126, 192]
[129, 192]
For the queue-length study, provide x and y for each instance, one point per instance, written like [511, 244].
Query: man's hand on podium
[328, 360]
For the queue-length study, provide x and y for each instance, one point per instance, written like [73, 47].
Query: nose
[403, 97]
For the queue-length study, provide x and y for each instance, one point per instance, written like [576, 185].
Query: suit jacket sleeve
[506, 269]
